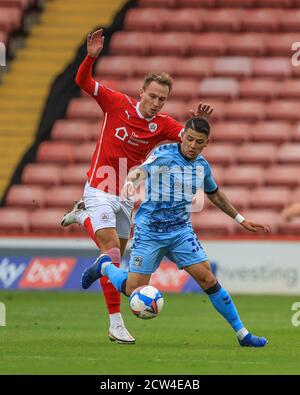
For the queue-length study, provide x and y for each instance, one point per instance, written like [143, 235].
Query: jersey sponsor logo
[121, 133]
[47, 273]
[10, 270]
[152, 127]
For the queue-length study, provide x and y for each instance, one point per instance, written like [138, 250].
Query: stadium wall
[242, 266]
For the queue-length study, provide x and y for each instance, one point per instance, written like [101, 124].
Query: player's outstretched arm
[291, 212]
[203, 111]
[220, 200]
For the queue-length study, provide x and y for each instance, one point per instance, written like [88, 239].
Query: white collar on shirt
[140, 114]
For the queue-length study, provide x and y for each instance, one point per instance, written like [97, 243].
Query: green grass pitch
[66, 333]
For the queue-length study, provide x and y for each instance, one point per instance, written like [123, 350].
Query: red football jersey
[126, 137]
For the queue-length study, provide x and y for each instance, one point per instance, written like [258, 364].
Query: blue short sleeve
[210, 186]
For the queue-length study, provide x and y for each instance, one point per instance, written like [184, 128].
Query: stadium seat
[155, 64]
[273, 67]
[285, 110]
[226, 88]
[187, 19]
[219, 107]
[84, 108]
[289, 153]
[275, 132]
[232, 66]
[130, 43]
[174, 43]
[177, 109]
[55, 152]
[131, 87]
[239, 197]
[63, 196]
[264, 89]
[208, 44]
[41, 174]
[3, 37]
[74, 174]
[184, 89]
[47, 220]
[13, 220]
[274, 198]
[217, 172]
[71, 130]
[260, 154]
[212, 223]
[223, 19]
[244, 176]
[84, 152]
[296, 133]
[246, 110]
[289, 89]
[158, 3]
[275, 3]
[115, 66]
[10, 18]
[283, 175]
[294, 196]
[235, 3]
[265, 217]
[260, 20]
[279, 44]
[145, 19]
[289, 228]
[25, 196]
[231, 132]
[247, 44]
[196, 3]
[194, 67]
[289, 21]
[220, 154]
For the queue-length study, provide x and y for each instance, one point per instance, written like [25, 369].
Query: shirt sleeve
[210, 186]
[172, 129]
[108, 99]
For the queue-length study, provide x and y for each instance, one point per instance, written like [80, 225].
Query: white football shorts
[107, 211]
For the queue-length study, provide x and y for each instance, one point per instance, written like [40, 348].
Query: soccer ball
[146, 302]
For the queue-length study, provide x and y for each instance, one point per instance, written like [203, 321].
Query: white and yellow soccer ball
[146, 302]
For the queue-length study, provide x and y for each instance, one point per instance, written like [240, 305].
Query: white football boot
[120, 335]
[70, 217]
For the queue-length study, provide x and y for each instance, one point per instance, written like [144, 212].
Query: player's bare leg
[223, 303]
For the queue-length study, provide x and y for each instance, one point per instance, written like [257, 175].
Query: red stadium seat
[238, 196]
[279, 44]
[10, 18]
[265, 217]
[258, 89]
[289, 89]
[270, 197]
[289, 153]
[47, 220]
[212, 222]
[283, 175]
[130, 43]
[233, 67]
[25, 196]
[63, 196]
[195, 3]
[177, 109]
[289, 228]
[220, 154]
[217, 172]
[219, 107]
[226, 88]
[54, 152]
[158, 3]
[41, 174]
[260, 20]
[246, 110]
[69, 130]
[247, 44]
[75, 174]
[231, 132]
[223, 19]
[174, 43]
[84, 108]
[289, 21]
[274, 3]
[115, 66]
[184, 89]
[273, 67]
[235, 3]
[208, 44]
[296, 133]
[84, 152]
[145, 19]
[186, 19]
[131, 87]
[244, 176]
[3, 37]
[23, 4]
[275, 132]
[13, 220]
[155, 64]
[256, 154]
[195, 67]
[294, 197]
[283, 110]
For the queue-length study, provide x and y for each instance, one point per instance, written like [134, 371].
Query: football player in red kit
[130, 130]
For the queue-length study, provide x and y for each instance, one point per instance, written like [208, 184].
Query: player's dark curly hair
[198, 124]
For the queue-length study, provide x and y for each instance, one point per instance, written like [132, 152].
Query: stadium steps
[47, 51]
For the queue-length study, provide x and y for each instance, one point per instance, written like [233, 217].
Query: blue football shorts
[149, 248]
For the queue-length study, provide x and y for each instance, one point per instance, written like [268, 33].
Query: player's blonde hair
[160, 78]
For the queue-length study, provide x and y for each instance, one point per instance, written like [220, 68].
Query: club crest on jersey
[137, 261]
[152, 127]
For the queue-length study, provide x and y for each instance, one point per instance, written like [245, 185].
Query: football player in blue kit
[173, 174]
